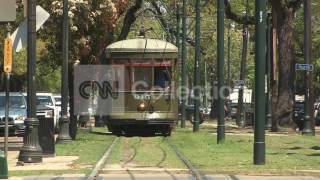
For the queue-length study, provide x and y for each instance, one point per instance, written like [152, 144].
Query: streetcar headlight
[142, 106]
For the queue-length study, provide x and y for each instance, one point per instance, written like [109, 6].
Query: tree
[283, 89]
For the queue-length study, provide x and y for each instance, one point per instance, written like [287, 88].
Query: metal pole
[31, 151]
[64, 135]
[241, 109]
[183, 64]
[197, 68]
[307, 130]
[260, 96]
[229, 63]
[205, 99]
[6, 130]
[268, 104]
[220, 46]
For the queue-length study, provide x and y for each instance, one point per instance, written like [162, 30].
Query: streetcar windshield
[144, 75]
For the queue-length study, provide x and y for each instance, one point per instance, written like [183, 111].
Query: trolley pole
[260, 96]
[307, 128]
[197, 69]
[31, 151]
[64, 135]
[183, 64]
[220, 47]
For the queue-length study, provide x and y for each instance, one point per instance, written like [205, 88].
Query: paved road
[15, 143]
[165, 176]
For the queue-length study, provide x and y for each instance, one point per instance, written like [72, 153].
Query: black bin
[46, 136]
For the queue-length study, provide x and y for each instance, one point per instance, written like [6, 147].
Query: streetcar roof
[141, 46]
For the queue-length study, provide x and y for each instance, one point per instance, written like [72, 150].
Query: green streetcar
[150, 75]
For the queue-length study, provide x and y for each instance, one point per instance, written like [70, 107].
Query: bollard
[3, 166]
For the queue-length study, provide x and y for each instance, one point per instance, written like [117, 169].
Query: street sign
[7, 55]
[7, 10]
[240, 82]
[304, 67]
[19, 37]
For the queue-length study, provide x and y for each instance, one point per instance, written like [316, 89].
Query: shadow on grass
[316, 148]
[313, 154]
[295, 148]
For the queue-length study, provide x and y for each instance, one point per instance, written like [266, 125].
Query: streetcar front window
[161, 77]
[142, 78]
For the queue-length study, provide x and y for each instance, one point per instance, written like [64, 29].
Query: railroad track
[126, 165]
[194, 171]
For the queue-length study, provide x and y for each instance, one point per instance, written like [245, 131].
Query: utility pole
[269, 54]
[183, 64]
[241, 109]
[260, 96]
[220, 47]
[197, 68]
[31, 151]
[307, 129]
[64, 136]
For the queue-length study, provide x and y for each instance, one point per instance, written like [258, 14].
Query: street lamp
[31, 151]
[64, 136]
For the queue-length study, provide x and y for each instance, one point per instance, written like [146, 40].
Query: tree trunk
[283, 99]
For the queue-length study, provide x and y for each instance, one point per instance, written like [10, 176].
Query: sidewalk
[49, 163]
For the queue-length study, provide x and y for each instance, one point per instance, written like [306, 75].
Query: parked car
[298, 113]
[190, 114]
[47, 100]
[17, 113]
[57, 99]
[248, 112]
[317, 114]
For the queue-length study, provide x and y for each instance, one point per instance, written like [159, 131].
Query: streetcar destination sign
[7, 10]
[304, 67]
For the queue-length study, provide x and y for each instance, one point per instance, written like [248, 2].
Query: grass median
[285, 154]
[89, 147]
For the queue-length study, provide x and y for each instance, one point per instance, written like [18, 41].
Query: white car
[58, 99]
[47, 99]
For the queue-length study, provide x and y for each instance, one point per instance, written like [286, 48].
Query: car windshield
[57, 99]
[44, 100]
[14, 102]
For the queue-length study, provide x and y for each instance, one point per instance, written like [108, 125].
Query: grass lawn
[89, 147]
[284, 154]
[144, 152]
